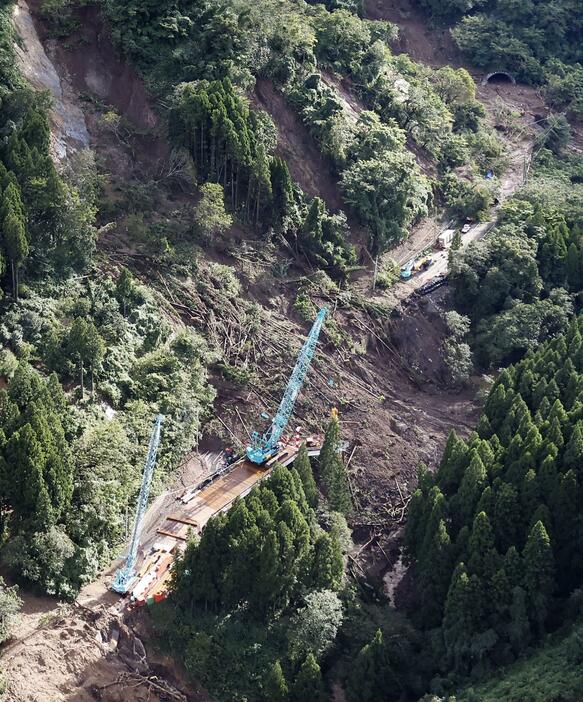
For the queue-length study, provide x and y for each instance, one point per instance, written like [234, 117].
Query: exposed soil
[97, 79]
[432, 46]
[388, 383]
[68, 127]
[96, 68]
[389, 388]
[343, 89]
[75, 654]
[312, 171]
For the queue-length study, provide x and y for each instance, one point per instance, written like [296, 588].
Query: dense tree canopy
[538, 41]
[495, 535]
[185, 54]
[267, 532]
[515, 283]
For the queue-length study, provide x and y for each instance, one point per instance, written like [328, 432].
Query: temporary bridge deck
[197, 506]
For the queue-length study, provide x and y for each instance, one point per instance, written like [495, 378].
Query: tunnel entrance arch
[498, 78]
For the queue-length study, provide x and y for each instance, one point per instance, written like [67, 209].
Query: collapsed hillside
[381, 367]
[371, 337]
[396, 413]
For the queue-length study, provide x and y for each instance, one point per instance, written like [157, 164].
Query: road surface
[405, 288]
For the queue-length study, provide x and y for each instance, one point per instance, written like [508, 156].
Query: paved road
[440, 258]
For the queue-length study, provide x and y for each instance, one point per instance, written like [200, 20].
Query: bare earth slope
[387, 382]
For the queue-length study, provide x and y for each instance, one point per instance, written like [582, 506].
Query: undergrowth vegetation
[520, 284]
[184, 57]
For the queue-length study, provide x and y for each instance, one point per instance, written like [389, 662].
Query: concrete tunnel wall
[491, 75]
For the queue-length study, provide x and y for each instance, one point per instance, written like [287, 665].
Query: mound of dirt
[81, 655]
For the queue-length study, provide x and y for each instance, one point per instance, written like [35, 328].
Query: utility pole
[375, 273]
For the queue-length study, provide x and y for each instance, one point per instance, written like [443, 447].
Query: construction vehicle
[423, 263]
[265, 446]
[125, 575]
[407, 269]
[445, 238]
[415, 265]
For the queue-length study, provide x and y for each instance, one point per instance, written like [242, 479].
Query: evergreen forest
[184, 184]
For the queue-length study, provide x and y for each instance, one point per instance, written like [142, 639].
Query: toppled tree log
[129, 680]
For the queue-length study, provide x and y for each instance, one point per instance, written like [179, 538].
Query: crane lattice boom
[263, 446]
[127, 573]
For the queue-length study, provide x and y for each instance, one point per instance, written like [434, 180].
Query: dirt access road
[519, 147]
[436, 48]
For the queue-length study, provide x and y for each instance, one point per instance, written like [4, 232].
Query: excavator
[416, 265]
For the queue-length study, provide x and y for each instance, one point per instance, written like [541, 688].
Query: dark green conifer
[529, 496]
[527, 385]
[329, 449]
[372, 675]
[486, 501]
[125, 289]
[435, 570]
[29, 496]
[539, 393]
[542, 514]
[275, 688]
[539, 572]
[484, 560]
[308, 684]
[304, 469]
[328, 566]
[573, 458]
[451, 468]
[484, 428]
[338, 491]
[496, 407]
[461, 609]
[460, 551]
[544, 408]
[13, 236]
[552, 392]
[506, 516]
[471, 488]
[519, 627]
[332, 470]
[282, 187]
[513, 566]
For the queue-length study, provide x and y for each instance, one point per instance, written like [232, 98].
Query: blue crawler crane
[126, 574]
[264, 446]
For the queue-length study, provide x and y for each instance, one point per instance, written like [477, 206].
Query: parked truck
[445, 238]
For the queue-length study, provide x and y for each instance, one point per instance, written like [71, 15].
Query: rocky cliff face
[68, 127]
